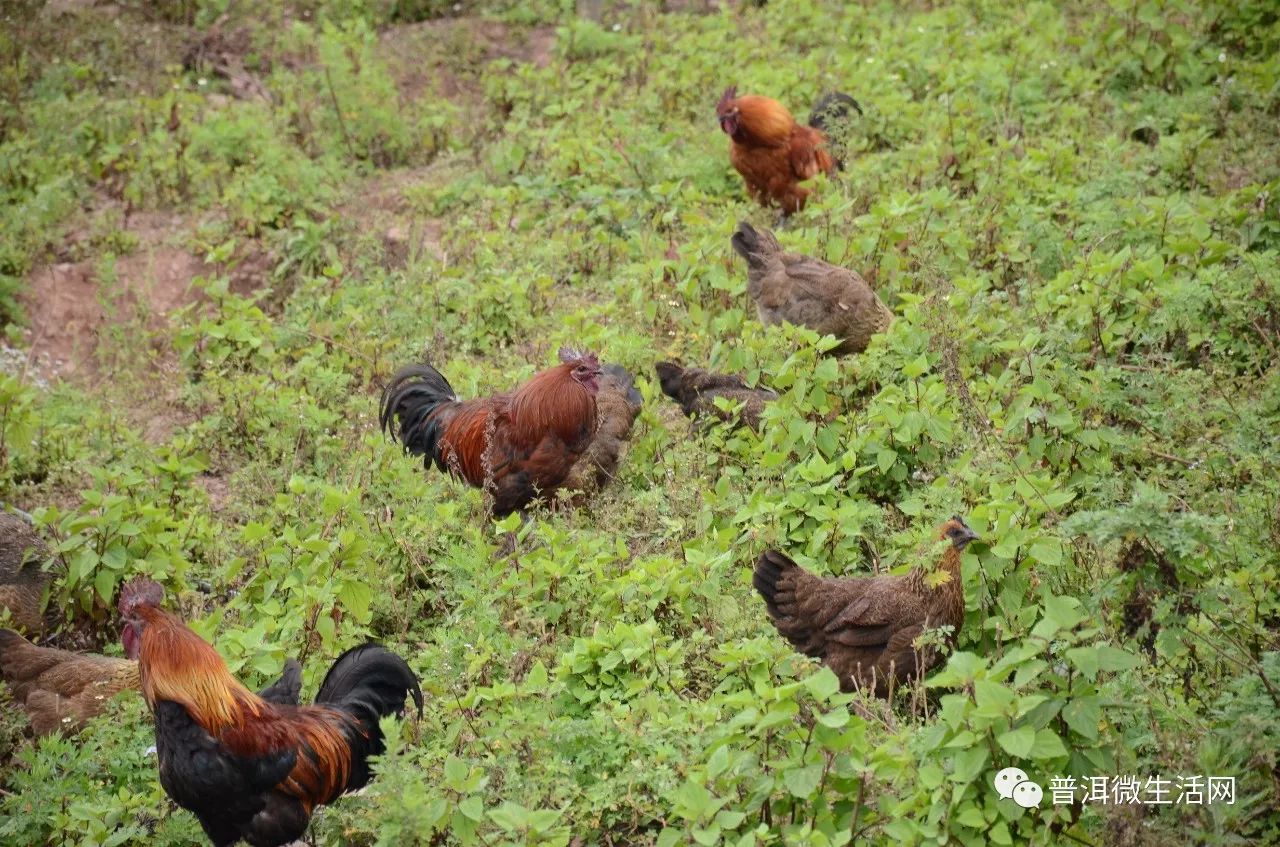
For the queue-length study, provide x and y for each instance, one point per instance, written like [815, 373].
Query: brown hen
[617, 405]
[865, 629]
[22, 578]
[59, 689]
[696, 391]
[800, 290]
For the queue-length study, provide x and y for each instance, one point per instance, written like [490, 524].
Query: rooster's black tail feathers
[831, 108]
[368, 682]
[411, 397]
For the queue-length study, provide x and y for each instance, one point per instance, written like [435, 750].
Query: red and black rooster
[247, 768]
[518, 446]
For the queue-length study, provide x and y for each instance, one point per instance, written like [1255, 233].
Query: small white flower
[617, 27]
[1222, 57]
[202, 81]
[919, 29]
[870, 59]
[1044, 66]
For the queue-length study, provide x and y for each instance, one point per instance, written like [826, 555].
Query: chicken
[775, 154]
[617, 405]
[23, 580]
[59, 689]
[519, 446]
[247, 768]
[828, 299]
[696, 391]
[865, 628]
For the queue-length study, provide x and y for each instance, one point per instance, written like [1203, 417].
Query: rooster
[775, 154]
[518, 446]
[249, 769]
[865, 629]
[59, 689]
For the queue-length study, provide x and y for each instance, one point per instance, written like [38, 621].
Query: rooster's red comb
[140, 591]
[730, 93]
[568, 355]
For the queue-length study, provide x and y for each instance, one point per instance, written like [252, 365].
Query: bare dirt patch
[382, 207]
[446, 57]
[62, 304]
[70, 305]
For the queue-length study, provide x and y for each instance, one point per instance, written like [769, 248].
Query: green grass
[1084, 364]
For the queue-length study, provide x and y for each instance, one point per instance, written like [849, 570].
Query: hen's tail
[368, 682]
[831, 108]
[779, 580]
[412, 396]
[757, 246]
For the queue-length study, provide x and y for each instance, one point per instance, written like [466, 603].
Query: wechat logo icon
[1013, 784]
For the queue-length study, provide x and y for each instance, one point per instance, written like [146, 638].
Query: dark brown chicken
[696, 391]
[865, 629]
[773, 152]
[22, 578]
[800, 290]
[59, 689]
[617, 405]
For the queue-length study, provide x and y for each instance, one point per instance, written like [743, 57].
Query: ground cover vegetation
[224, 225]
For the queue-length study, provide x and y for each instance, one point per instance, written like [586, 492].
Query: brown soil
[424, 56]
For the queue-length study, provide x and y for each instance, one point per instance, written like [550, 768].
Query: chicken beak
[969, 535]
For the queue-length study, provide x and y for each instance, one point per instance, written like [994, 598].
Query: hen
[247, 768]
[519, 446]
[22, 579]
[617, 405]
[772, 151]
[59, 689]
[696, 391]
[828, 299]
[865, 629]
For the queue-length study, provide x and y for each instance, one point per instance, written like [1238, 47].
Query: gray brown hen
[800, 290]
[617, 405]
[864, 629]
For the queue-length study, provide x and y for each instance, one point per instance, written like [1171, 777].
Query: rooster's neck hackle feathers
[763, 121]
[553, 401]
[180, 666]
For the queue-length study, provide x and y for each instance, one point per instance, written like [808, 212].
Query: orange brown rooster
[865, 629]
[249, 769]
[772, 151]
[518, 446]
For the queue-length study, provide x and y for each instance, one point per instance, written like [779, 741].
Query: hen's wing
[617, 405]
[849, 623]
[815, 613]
